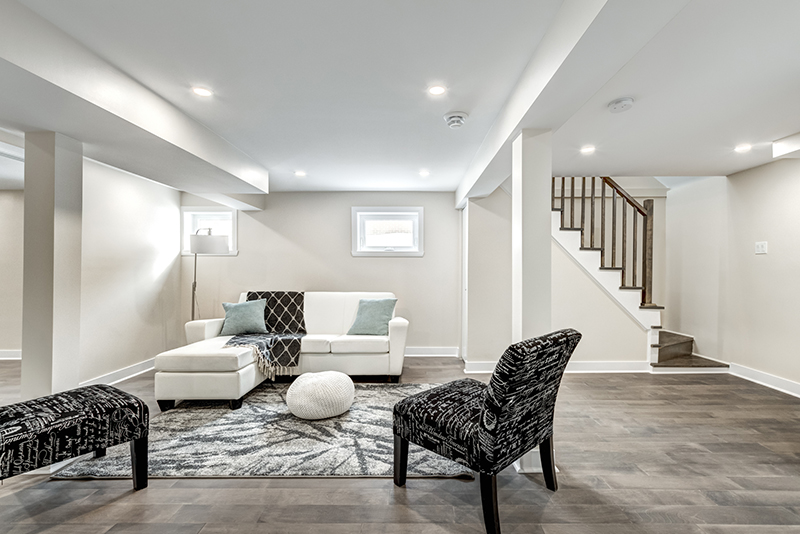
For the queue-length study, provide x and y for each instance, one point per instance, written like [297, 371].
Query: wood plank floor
[661, 454]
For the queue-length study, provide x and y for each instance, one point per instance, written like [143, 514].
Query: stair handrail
[645, 209]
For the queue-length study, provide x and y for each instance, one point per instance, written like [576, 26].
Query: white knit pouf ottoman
[320, 395]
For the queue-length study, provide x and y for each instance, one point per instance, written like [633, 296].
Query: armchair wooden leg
[548, 464]
[491, 515]
[139, 463]
[400, 460]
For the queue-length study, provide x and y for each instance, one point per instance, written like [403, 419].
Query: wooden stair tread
[592, 248]
[692, 360]
[571, 229]
[631, 288]
[610, 268]
[651, 307]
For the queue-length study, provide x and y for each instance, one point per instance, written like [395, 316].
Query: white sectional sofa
[206, 369]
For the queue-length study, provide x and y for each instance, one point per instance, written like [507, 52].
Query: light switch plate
[761, 247]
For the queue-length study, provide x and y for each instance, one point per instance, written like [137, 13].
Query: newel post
[647, 253]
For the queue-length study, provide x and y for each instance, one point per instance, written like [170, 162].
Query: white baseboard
[10, 354]
[690, 370]
[439, 352]
[471, 367]
[765, 379]
[608, 367]
[122, 374]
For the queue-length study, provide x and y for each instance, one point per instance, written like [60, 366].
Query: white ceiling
[338, 88]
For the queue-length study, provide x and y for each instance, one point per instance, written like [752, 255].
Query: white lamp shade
[208, 244]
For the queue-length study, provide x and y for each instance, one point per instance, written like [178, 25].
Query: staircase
[601, 232]
[676, 350]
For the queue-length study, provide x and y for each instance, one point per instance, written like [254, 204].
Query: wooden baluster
[562, 202]
[647, 264]
[572, 203]
[624, 238]
[583, 211]
[553, 195]
[613, 227]
[603, 224]
[633, 256]
[591, 233]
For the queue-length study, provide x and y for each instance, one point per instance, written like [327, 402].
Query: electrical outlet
[761, 247]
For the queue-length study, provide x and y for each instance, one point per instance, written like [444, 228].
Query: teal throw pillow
[373, 317]
[244, 318]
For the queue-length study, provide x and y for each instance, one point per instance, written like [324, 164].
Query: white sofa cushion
[207, 355]
[360, 344]
[317, 343]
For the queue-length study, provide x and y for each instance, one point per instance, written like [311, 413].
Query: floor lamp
[205, 244]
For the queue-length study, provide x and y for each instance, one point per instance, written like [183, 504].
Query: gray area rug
[262, 439]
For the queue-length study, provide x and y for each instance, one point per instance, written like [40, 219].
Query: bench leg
[99, 453]
[139, 463]
[400, 460]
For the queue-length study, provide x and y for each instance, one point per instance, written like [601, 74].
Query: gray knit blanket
[278, 351]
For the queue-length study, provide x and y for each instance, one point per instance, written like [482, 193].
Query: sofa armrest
[398, 332]
[203, 329]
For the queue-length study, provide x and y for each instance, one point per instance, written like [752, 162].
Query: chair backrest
[521, 397]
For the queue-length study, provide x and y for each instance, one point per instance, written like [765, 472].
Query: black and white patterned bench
[43, 431]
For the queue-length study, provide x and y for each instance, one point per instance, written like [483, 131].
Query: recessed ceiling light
[424, 173]
[588, 149]
[299, 174]
[437, 90]
[744, 147]
[202, 91]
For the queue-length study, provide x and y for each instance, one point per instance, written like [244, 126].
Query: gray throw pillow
[373, 317]
[244, 318]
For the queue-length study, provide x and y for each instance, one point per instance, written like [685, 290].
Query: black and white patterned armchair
[488, 427]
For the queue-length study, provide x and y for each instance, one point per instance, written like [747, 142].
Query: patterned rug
[262, 439]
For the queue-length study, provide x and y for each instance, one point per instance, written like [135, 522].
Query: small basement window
[387, 231]
[221, 221]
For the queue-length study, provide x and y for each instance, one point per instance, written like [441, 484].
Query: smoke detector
[621, 104]
[455, 119]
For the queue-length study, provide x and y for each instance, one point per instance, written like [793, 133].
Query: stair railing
[640, 266]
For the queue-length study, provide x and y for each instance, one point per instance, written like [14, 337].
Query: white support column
[51, 263]
[531, 169]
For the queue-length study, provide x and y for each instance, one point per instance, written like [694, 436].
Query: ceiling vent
[621, 104]
[455, 119]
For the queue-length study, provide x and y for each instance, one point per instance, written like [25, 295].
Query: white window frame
[234, 250]
[359, 214]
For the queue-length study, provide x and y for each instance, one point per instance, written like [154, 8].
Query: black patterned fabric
[278, 351]
[58, 427]
[488, 427]
[275, 353]
[284, 311]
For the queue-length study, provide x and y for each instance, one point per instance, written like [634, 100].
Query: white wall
[302, 241]
[697, 226]
[130, 302]
[609, 334]
[741, 307]
[761, 292]
[11, 223]
[489, 277]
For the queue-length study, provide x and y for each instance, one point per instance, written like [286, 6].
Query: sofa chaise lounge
[206, 369]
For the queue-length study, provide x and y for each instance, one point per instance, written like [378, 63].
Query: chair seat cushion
[209, 355]
[444, 419]
[360, 344]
